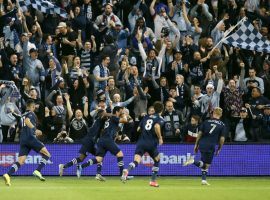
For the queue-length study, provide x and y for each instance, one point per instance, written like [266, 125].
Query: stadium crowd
[131, 53]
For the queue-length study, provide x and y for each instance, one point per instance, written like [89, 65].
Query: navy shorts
[143, 147]
[30, 143]
[88, 147]
[207, 157]
[107, 144]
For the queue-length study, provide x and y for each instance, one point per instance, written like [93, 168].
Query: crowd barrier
[234, 160]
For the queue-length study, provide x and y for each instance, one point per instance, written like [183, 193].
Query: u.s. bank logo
[166, 159]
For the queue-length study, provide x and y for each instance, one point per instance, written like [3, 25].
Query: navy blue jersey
[147, 127]
[110, 127]
[25, 130]
[212, 130]
[96, 127]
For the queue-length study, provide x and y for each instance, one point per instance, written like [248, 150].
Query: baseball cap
[267, 106]
[62, 24]
[100, 92]
[210, 85]
[243, 110]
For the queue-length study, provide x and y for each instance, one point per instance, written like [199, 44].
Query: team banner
[234, 160]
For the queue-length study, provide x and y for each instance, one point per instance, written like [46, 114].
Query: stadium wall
[234, 160]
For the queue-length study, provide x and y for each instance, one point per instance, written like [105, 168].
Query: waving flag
[43, 6]
[248, 37]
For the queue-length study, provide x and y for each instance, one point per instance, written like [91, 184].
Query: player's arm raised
[158, 132]
[196, 147]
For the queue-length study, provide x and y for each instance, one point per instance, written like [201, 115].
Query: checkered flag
[247, 37]
[23, 5]
[43, 6]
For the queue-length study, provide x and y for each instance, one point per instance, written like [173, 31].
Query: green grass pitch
[171, 188]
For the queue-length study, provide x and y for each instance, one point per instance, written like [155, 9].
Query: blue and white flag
[248, 37]
[43, 6]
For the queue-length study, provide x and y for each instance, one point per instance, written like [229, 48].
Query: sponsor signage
[234, 160]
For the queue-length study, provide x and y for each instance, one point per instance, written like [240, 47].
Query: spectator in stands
[251, 82]
[66, 42]
[102, 73]
[242, 128]
[177, 66]
[152, 62]
[61, 112]
[78, 124]
[161, 90]
[211, 100]
[33, 67]
[87, 55]
[112, 89]
[190, 132]
[201, 12]
[173, 123]
[255, 106]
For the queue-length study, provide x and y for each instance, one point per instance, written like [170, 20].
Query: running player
[106, 141]
[211, 132]
[88, 146]
[151, 126]
[29, 141]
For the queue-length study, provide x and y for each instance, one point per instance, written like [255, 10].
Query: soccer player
[29, 141]
[106, 141]
[211, 132]
[88, 146]
[151, 126]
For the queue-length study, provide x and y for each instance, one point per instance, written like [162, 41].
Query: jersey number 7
[213, 128]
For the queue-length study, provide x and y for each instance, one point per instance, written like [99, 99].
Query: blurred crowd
[131, 54]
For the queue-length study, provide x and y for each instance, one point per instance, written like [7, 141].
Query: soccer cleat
[99, 177]
[190, 161]
[154, 184]
[124, 175]
[130, 177]
[204, 182]
[61, 169]
[7, 179]
[37, 174]
[79, 171]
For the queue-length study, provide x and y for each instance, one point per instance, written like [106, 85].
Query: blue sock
[120, 163]
[132, 165]
[199, 164]
[204, 174]
[99, 168]
[155, 170]
[89, 162]
[74, 161]
[42, 162]
[14, 168]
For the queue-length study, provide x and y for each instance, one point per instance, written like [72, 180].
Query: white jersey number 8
[148, 124]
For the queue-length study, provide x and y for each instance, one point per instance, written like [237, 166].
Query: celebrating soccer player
[211, 132]
[28, 141]
[150, 126]
[106, 141]
[88, 145]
